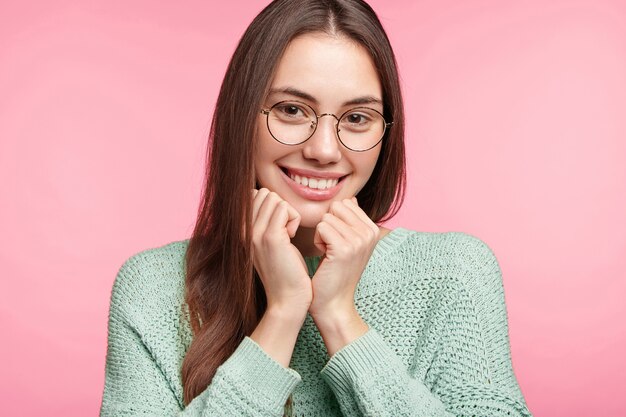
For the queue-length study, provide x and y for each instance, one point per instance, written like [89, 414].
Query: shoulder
[478, 270]
[477, 277]
[457, 256]
[460, 246]
[150, 278]
[470, 252]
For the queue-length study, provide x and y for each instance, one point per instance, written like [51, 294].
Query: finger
[357, 219]
[327, 236]
[353, 205]
[254, 193]
[259, 197]
[284, 217]
[266, 210]
[293, 221]
[347, 232]
[341, 210]
[318, 241]
[278, 219]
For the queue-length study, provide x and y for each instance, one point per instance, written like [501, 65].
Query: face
[329, 74]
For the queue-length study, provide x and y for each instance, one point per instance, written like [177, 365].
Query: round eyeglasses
[293, 122]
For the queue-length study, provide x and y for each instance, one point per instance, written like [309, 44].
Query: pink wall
[516, 134]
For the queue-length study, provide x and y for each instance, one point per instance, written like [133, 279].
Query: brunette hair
[224, 296]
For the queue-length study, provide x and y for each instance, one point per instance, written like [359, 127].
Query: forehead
[332, 69]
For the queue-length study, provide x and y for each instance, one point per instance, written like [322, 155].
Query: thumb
[318, 241]
[293, 220]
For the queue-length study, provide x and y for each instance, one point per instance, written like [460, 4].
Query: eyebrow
[306, 96]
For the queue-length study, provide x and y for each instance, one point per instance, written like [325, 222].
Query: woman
[289, 298]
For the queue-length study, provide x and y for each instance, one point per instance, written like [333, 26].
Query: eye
[356, 118]
[290, 112]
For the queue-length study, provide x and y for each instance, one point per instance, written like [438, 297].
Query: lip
[313, 174]
[310, 193]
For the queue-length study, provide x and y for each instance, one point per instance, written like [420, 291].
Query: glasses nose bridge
[328, 114]
[336, 125]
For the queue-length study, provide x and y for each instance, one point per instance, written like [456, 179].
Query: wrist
[276, 333]
[333, 319]
[287, 313]
[340, 328]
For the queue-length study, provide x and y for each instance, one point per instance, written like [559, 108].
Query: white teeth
[315, 183]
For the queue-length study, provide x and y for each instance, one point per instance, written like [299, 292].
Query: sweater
[437, 344]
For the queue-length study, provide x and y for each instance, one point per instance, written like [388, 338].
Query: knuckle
[273, 196]
[281, 208]
[260, 195]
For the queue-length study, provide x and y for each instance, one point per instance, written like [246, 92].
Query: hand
[279, 263]
[347, 237]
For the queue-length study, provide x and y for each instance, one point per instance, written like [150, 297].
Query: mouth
[313, 181]
[313, 185]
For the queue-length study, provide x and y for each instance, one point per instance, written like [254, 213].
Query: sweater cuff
[357, 361]
[261, 374]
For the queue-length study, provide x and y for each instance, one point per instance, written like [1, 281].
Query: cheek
[262, 151]
[266, 147]
[368, 163]
[265, 155]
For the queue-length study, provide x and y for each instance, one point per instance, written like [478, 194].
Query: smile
[314, 183]
[311, 185]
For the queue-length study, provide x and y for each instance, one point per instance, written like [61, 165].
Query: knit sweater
[437, 343]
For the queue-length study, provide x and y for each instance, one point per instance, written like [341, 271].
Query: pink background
[516, 134]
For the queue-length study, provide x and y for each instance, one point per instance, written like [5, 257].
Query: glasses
[293, 122]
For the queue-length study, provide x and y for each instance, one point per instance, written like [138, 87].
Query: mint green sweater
[438, 342]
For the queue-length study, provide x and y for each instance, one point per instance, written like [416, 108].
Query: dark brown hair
[224, 296]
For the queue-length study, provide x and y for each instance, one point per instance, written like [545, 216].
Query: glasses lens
[291, 122]
[361, 128]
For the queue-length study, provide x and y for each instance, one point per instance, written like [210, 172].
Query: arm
[369, 379]
[471, 375]
[249, 383]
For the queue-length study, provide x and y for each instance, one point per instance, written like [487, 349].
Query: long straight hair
[224, 297]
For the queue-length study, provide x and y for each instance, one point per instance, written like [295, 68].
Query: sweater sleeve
[248, 383]
[472, 374]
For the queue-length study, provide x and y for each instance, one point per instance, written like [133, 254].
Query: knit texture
[437, 343]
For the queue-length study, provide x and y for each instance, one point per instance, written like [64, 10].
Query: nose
[324, 145]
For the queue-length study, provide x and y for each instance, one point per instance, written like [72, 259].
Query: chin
[310, 222]
[312, 216]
